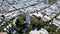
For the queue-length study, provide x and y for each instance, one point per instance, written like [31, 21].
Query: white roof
[33, 2]
[48, 10]
[52, 15]
[42, 31]
[32, 8]
[9, 25]
[38, 15]
[56, 22]
[58, 17]
[14, 32]
[0, 20]
[54, 7]
[5, 29]
[11, 8]
[19, 6]
[47, 17]
[43, 6]
[58, 3]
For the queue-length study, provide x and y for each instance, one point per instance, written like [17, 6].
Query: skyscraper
[27, 17]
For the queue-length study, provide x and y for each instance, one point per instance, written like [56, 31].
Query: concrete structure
[56, 22]
[42, 31]
[27, 17]
[38, 14]
[58, 17]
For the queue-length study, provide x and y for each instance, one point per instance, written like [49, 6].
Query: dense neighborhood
[29, 16]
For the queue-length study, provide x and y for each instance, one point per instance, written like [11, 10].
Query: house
[54, 7]
[52, 15]
[10, 25]
[38, 14]
[5, 29]
[45, 18]
[58, 17]
[58, 3]
[14, 32]
[32, 8]
[56, 22]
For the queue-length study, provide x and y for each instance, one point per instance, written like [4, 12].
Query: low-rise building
[38, 14]
[42, 31]
[56, 22]
[45, 18]
[3, 32]
[58, 17]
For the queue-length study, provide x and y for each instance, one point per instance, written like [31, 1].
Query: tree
[50, 29]
[23, 16]
[20, 21]
[29, 27]
[58, 32]
[10, 21]
[51, 2]
[40, 23]
[23, 32]
[34, 21]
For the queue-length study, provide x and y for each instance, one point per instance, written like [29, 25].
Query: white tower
[27, 17]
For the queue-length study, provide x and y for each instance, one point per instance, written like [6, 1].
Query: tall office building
[27, 17]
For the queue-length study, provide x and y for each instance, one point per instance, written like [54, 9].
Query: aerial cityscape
[29, 16]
